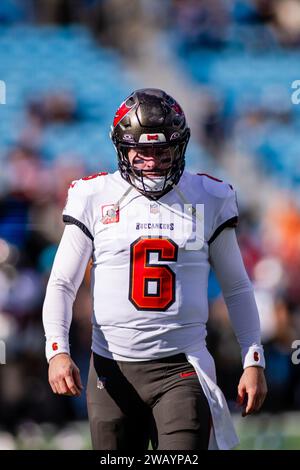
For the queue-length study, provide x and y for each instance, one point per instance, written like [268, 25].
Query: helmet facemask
[157, 181]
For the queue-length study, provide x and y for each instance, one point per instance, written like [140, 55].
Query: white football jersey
[150, 261]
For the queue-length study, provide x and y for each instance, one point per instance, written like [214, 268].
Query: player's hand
[252, 390]
[64, 376]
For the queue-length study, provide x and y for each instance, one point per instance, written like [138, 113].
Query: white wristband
[56, 345]
[253, 356]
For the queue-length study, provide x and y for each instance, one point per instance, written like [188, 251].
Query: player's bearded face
[152, 165]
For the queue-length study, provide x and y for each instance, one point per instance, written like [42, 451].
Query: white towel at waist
[223, 435]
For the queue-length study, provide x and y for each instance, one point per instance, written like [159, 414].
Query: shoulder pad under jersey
[215, 186]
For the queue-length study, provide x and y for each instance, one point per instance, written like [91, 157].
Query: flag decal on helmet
[146, 138]
[152, 136]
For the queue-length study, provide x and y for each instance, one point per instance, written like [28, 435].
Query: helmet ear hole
[130, 102]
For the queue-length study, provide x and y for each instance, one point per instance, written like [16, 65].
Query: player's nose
[151, 164]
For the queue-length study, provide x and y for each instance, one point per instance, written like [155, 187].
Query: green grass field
[260, 432]
[267, 431]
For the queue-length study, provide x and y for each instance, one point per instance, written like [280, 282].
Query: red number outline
[141, 270]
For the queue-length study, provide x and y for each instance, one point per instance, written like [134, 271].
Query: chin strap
[191, 209]
[116, 206]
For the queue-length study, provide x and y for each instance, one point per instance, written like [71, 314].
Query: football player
[153, 231]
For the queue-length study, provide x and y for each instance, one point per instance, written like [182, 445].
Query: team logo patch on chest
[110, 214]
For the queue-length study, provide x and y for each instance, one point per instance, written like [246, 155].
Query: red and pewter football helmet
[151, 118]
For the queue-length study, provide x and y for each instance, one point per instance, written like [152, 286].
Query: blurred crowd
[33, 191]
[213, 22]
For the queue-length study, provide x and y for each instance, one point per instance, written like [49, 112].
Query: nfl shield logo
[154, 208]
[101, 382]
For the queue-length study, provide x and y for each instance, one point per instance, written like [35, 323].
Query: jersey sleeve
[77, 210]
[67, 273]
[227, 262]
[225, 208]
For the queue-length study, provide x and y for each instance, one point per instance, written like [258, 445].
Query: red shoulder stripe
[91, 177]
[211, 177]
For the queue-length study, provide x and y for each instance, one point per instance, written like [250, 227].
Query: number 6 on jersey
[152, 286]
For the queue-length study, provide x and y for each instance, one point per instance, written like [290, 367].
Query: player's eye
[138, 161]
[166, 159]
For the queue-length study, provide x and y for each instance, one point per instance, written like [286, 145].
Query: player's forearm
[238, 293]
[246, 325]
[66, 276]
[57, 317]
